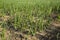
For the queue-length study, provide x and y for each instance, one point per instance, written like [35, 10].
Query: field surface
[27, 19]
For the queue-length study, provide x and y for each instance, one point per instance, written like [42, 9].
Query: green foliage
[2, 34]
[28, 14]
